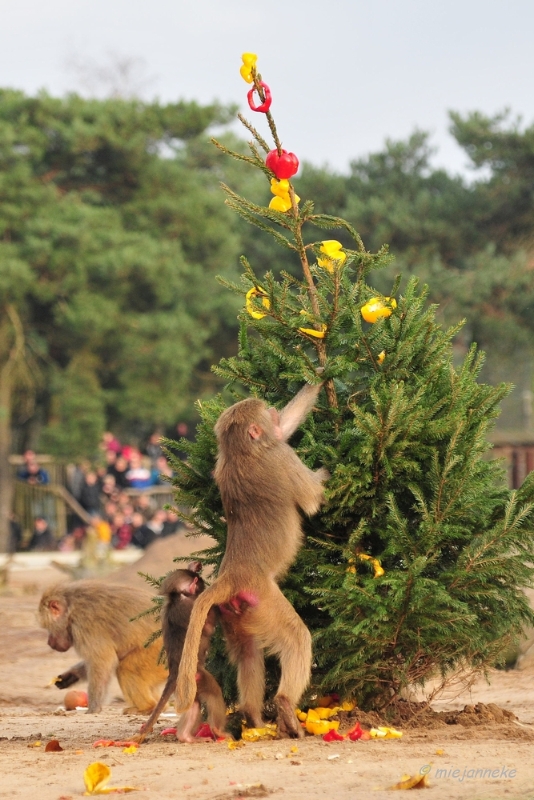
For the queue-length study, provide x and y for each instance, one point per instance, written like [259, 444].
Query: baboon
[94, 617]
[181, 589]
[264, 486]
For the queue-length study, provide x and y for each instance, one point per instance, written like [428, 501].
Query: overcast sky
[344, 74]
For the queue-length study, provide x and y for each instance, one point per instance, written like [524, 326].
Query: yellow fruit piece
[377, 734]
[385, 733]
[256, 734]
[412, 782]
[318, 728]
[280, 204]
[235, 745]
[381, 357]
[348, 705]
[301, 715]
[378, 307]
[325, 713]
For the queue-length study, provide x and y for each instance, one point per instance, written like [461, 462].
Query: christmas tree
[415, 566]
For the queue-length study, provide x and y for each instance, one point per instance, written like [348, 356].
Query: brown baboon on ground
[94, 617]
[264, 486]
[181, 589]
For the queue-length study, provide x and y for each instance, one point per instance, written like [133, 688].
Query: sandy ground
[30, 711]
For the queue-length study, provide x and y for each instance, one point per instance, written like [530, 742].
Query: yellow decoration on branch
[256, 292]
[335, 256]
[319, 334]
[377, 567]
[249, 67]
[378, 307]
[381, 357]
[282, 204]
[282, 199]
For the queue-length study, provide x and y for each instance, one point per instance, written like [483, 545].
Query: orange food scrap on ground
[114, 743]
[53, 746]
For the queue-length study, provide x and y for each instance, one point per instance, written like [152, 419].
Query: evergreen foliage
[415, 566]
[110, 225]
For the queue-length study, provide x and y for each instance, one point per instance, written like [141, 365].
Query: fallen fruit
[76, 699]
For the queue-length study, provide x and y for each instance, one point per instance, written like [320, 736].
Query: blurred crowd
[115, 492]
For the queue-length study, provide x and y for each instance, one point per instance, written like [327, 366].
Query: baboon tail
[186, 687]
[162, 702]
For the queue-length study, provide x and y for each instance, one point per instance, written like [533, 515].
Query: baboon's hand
[66, 679]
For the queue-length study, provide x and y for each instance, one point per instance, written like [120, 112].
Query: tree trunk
[11, 351]
[6, 484]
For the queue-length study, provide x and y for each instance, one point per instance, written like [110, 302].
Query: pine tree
[416, 564]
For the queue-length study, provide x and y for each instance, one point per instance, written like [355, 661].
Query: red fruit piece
[204, 732]
[355, 733]
[168, 732]
[333, 736]
[284, 166]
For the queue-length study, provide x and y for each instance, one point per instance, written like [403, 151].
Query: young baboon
[93, 616]
[263, 486]
[181, 589]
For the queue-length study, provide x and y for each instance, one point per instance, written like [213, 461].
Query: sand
[480, 759]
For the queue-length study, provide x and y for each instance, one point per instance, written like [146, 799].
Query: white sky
[345, 74]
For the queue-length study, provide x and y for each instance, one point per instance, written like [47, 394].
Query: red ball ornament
[284, 166]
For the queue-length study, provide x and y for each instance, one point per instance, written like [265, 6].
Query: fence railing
[519, 460]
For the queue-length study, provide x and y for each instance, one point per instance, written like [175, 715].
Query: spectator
[156, 522]
[110, 509]
[119, 470]
[154, 449]
[182, 429]
[139, 476]
[128, 510]
[42, 537]
[90, 497]
[15, 535]
[32, 473]
[110, 443]
[163, 472]
[142, 535]
[76, 479]
[145, 504]
[127, 451]
[122, 532]
[109, 486]
[172, 524]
